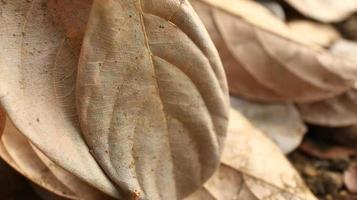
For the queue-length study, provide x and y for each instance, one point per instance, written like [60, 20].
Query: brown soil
[323, 176]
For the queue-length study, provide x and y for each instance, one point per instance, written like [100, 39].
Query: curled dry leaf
[30, 162]
[280, 122]
[339, 111]
[267, 61]
[334, 112]
[81, 189]
[325, 11]
[252, 168]
[151, 97]
[324, 150]
[148, 72]
[320, 34]
[16, 150]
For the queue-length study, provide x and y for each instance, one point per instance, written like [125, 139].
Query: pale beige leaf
[320, 34]
[345, 48]
[253, 168]
[325, 10]
[334, 112]
[16, 150]
[152, 97]
[38, 61]
[266, 61]
[280, 122]
[338, 111]
[80, 188]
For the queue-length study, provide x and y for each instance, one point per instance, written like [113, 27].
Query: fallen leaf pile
[122, 99]
[283, 69]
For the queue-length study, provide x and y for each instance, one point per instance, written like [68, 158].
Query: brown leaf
[38, 69]
[81, 189]
[30, 162]
[267, 61]
[280, 122]
[325, 11]
[152, 97]
[321, 149]
[16, 150]
[334, 112]
[338, 111]
[350, 177]
[251, 173]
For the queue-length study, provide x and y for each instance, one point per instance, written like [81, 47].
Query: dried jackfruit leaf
[16, 150]
[152, 97]
[252, 173]
[320, 34]
[325, 10]
[38, 63]
[280, 122]
[266, 61]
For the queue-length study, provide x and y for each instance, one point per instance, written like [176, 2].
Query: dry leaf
[127, 57]
[81, 189]
[325, 10]
[320, 34]
[350, 177]
[267, 61]
[345, 48]
[38, 62]
[252, 168]
[16, 150]
[280, 122]
[338, 111]
[334, 112]
[30, 162]
[322, 150]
